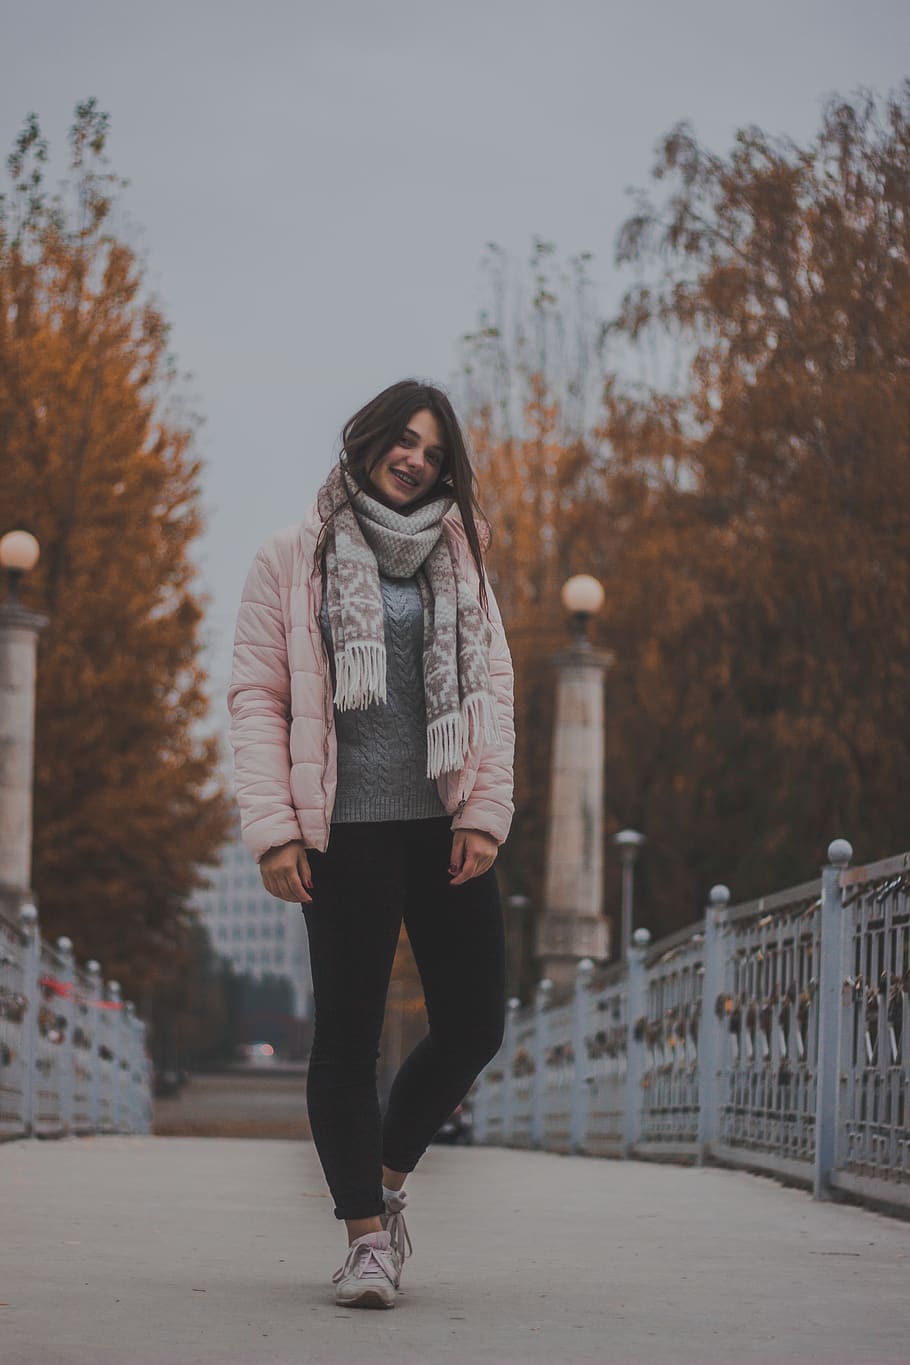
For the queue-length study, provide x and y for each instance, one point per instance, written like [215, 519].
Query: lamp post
[517, 920]
[571, 925]
[582, 597]
[19, 630]
[628, 841]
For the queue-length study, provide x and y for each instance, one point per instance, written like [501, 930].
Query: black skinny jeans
[370, 876]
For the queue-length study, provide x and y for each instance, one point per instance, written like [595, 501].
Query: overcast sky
[315, 182]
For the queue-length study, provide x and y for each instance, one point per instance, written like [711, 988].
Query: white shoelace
[397, 1229]
[365, 1262]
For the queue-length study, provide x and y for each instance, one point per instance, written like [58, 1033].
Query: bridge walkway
[190, 1251]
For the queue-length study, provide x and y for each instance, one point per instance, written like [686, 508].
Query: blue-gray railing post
[130, 1105]
[831, 977]
[580, 1078]
[636, 1010]
[67, 1010]
[513, 1005]
[541, 1004]
[710, 1040]
[148, 1079]
[115, 1036]
[31, 970]
[93, 972]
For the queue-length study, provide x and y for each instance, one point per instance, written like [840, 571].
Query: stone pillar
[19, 630]
[571, 925]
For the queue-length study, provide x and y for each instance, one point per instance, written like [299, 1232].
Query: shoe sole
[369, 1298]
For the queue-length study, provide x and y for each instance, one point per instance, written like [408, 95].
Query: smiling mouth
[404, 479]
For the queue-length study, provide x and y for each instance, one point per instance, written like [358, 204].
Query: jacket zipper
[326, 723]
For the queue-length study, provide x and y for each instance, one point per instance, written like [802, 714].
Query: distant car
[167, 1080]
[458, 1127]
[257, 1054]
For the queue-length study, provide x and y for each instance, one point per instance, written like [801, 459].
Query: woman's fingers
[303, 867]
[473, 853]
[469, 870]
[287, 888]
[286, 873]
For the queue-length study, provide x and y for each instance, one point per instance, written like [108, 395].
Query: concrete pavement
[153, 1250]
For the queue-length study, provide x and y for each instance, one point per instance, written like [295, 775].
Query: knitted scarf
[366, 536]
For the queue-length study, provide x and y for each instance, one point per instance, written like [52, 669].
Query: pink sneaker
[368, 1277]
[399, 1241]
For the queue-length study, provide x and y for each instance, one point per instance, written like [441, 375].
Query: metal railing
[773, 1035]
[73, 1056]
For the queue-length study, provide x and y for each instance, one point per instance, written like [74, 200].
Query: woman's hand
[473, 852]
[286, 872]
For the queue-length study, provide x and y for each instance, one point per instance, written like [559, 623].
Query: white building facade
[255, 932]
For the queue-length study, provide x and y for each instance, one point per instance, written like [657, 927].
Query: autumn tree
[745, 519]
[758, 566]
[98, 462]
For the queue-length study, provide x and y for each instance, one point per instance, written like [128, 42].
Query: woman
[373, 734]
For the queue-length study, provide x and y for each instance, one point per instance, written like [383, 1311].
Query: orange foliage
[747, 526]
[100, 471]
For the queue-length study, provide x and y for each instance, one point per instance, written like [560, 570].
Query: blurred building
[255, 932]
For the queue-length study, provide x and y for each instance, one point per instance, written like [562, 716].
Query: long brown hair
[377, 427]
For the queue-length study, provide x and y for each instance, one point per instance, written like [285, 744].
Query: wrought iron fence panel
[52, 1050]
[122, 1069]
[84, 1052]
[13, 1008]
[668, 1032]
[557, 1073]
[522, 1072]
[770, 1018]
[875, 1113]
[106, 1117]
[71, 1061]
[605, 1062]
[143, 1084]
[488, 1095]
[771, 1035]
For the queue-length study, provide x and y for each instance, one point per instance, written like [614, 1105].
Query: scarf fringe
[449, 737]
[361, 676]
[481, 719]
[445, 744]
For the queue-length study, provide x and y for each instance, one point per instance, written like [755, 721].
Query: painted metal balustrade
[73, 1056]
[668, 1033]
[15, 1035]
[772, 1035]
[599, 1085]
[768, 1016]
[874, 1135]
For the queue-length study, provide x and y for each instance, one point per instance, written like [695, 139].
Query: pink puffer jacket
[282, 718]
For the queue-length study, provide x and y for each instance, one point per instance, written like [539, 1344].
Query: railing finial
[840, 851]
[719, 896]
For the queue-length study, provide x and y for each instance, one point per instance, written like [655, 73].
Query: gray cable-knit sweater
[382, 750]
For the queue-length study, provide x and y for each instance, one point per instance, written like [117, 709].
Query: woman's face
[409, 470]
